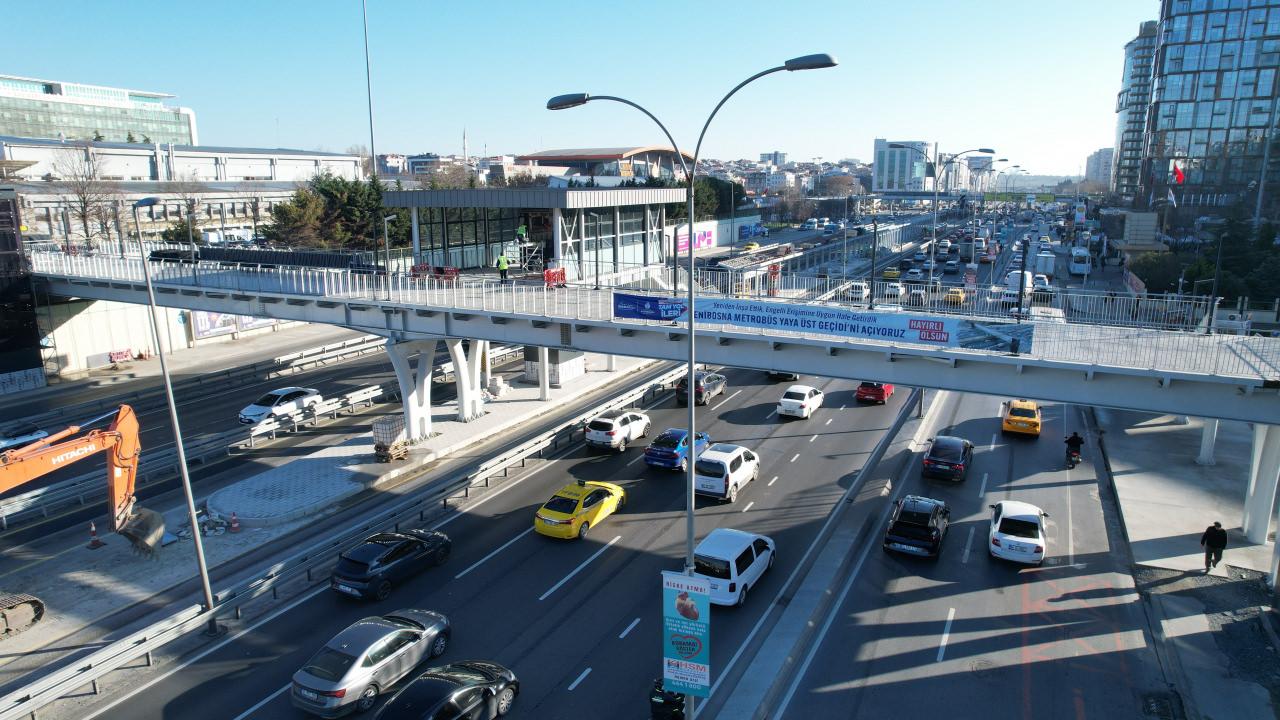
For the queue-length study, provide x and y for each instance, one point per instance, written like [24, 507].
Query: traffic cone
[94, 542]
[235, 523]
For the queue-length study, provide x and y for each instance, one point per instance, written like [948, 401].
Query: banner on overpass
[1019, 197]
[845, 322]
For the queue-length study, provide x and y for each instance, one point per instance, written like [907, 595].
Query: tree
[298, 221]
[705, 201]
[82, 187]
[838, 185]
[1159, 270]
[130, 138]
[190, 192]
[181, 232]
[98, 136]
[449, 177]
[146, 139]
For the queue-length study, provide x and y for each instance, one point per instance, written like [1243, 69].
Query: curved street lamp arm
[674, 146]
[697, 150]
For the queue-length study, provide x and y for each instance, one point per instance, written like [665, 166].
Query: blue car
[671, 449]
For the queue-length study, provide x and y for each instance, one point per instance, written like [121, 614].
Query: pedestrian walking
[1214, 541]
[502, 264]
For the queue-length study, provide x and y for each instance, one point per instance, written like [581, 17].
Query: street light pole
[386, 248]
[561, 102]
[203, 568]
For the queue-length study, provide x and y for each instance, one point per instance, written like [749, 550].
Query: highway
[577, 621]
[1067, 640]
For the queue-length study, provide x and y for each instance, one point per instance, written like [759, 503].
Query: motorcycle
[1073, 457]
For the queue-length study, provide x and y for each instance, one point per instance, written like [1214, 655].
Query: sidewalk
[81, 587]
[1214, 625]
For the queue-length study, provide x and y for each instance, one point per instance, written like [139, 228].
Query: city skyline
[267, 90]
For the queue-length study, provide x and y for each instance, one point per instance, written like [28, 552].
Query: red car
[874, 392]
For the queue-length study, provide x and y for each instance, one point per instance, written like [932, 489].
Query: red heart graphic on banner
[686, 645]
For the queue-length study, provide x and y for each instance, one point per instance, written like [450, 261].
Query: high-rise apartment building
[1097, 167]
[774, 158]
[903, 168]
[1132, 104]
[52, 109]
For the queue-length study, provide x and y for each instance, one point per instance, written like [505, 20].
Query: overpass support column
[544, 374]
[612, 363]
[1208, 436]
[1264, 474]
[415, 383]
[466, 373]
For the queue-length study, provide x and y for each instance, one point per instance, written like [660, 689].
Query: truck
[1045, 262]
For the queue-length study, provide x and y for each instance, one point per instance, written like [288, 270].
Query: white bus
[1081, 262]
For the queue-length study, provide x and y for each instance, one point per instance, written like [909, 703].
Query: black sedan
[948, 458]
[473, 689]
[918, 526]
[370, 569]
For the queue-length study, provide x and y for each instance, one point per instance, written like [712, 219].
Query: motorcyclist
[1074, 443]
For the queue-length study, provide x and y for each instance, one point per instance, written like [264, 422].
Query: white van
[723, 469]
[810, 224]
[733, 561]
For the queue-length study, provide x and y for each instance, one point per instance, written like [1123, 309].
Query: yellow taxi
[1022, 417]
[576, 507]
[891, 273]
[954, 296]
[751, 246]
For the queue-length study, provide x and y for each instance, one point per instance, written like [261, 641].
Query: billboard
[686, 634]
[1019, 197]
[845, 322]
[205, 324]
[701, 239]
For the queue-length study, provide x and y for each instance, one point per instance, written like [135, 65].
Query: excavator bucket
[144, 529]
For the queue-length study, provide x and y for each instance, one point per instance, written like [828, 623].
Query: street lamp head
[147, 202]
[1002, 160]
[810, 62]
[899, 146]
[392, 216]
[987, 151]
[563, 102]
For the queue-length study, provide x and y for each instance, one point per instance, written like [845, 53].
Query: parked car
[733, 561]
[709, 385]
[917, 526]
[873, 392]
[24, 434]
[470, 690]
[372, 568]
[1017, 532]
[671, 449]
[577, 507]
[948, 457]
[616, 428]
[800, 401]
[370, 656]
[278, 402]
[723, 469]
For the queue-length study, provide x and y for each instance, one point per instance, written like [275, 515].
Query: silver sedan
[367, 659]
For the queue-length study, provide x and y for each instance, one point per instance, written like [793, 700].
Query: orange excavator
[143, 528]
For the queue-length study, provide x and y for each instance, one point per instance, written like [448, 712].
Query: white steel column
[1208, 436]
[415, 383]
[486, 366]
[556, 237]
[466, 374]
[544, 374]
[417, 239]
[612, 362]
[1264, 474]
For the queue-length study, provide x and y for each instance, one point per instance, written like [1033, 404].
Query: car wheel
[383, 590]
[684, 466]
[771, 556]
[644, 431]
[733, 493]
[582, 530]
[440, 644]
[742, 596]
[506, 699]
[441, 556]
[622, 446]
[367, 699]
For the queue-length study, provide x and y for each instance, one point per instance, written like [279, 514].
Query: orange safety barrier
[554, 277]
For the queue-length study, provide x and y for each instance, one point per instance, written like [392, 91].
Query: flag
[1172, 200]
[1179, 177]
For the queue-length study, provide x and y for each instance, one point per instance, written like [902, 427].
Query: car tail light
[995, 541]
[1039, 549]
[958, 467]
[332, 693]
[733, 586]
[611, 433]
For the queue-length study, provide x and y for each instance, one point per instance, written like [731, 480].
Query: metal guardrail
[88, 671]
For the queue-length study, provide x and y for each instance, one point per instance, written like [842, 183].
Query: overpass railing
[1161, 335]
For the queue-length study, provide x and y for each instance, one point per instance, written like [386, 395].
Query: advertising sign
[1079, 214]
[844, 322]
[208, 324]
[686, 634]
[248, 322]
[701, 239]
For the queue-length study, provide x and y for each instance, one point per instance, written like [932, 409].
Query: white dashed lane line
[982, 489]
[795, 457]
[578, 569]
[942, 647]
[748, 507]
[815, 437]
[828, 422]
[630, 627]
[771, 482]
[717, 405]
[581, 677]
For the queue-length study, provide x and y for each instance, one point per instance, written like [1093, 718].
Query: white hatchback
[616, 428]
[723, 469]
[1017, 532]
[800, 401]
[279, 402]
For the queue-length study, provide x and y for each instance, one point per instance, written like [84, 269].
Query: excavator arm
[120, 443]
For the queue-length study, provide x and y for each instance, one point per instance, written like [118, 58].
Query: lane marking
[578, 569]
[946, 633]
[771, 413]
[828, 422]
[636, 459]
[964, 559]
[262, 702]
[982, 489]
[502, 547]
[715, 407]
[581, 677]
[748, 507]
[992, 446]
[842, 407]
[630, 627]
[771, 482]
[815, 437]
[794, 457]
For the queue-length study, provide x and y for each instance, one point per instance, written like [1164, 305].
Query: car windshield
[1020, 528]
[561, 504]
[712, 468]
[1022, 412]
[792, 395]
[267, 400]
[869, 386]
[949, 452]
[328, 664]
[351, 568]
[666, 441]
[913, 524]
[711, 567]
[601, 425]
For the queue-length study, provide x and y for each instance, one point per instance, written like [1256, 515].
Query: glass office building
[34, 108]
[1213, 107]
[1132, 103]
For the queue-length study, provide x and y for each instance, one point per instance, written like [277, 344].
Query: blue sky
[1034, 79]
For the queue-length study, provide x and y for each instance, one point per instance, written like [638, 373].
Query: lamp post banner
[686, 634]
[937, 330]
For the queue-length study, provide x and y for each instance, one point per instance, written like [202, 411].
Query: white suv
[800, 401]
[722, 469]
[616, 428]
[733, 561]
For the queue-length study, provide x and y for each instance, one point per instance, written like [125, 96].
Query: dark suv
[370, 569]
[948, 458]
[709, 385]
[917, 526]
